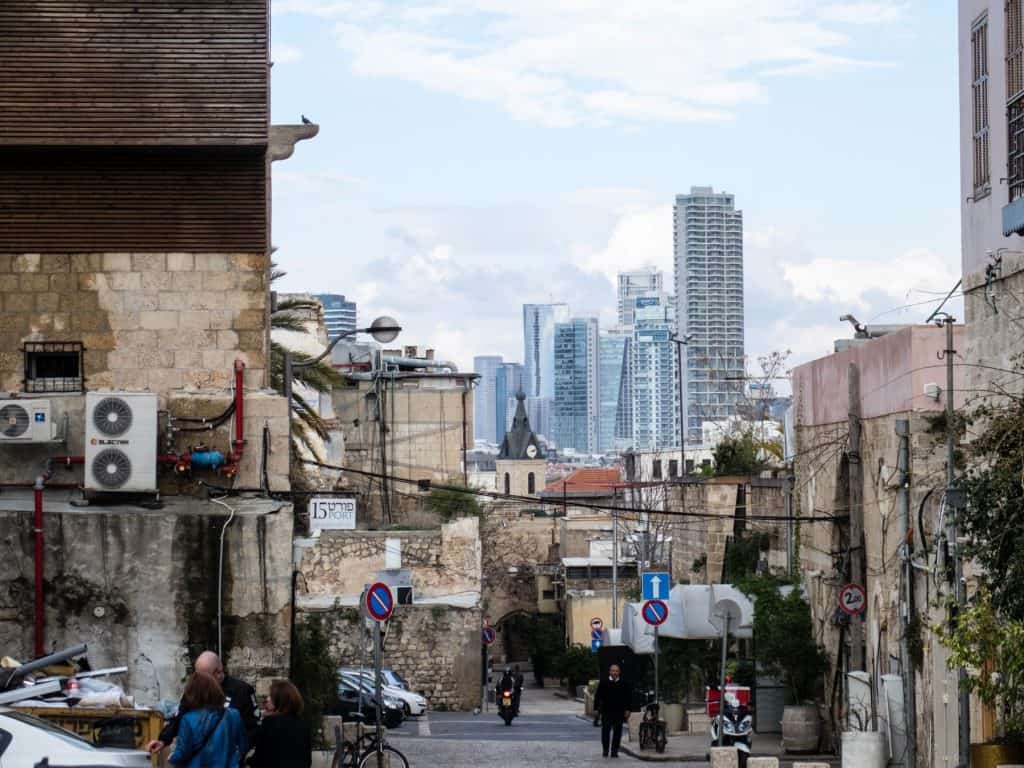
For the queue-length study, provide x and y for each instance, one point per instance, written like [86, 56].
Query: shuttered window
[979, 96]
[1015, 98]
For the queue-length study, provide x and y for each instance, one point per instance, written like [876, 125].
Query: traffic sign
[852, 599]
[597, 623]
[655, 612]
[489, 635]
[595, 645]
[596, 634]
[379, 601]
[656, 585]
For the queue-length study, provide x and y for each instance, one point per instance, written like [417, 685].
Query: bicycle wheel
[391, 758]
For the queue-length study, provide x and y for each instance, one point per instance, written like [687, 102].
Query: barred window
[1015, 98]
[979, 96]
[53, 366]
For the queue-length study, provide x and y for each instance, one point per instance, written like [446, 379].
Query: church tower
[521, 466]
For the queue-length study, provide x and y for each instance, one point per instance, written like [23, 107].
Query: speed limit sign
[852, 599]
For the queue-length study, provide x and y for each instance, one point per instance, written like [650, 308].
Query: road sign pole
[483, 678]
[376, 669]
[656, 652]
[362, 641]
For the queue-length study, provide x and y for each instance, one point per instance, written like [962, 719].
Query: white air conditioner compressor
[120, 442]
[26, 421]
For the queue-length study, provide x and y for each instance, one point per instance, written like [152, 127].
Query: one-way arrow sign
[656, 585]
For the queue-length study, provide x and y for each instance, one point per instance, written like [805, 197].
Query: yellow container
[105, 726]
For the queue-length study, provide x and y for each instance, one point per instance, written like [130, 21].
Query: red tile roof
[587, 480]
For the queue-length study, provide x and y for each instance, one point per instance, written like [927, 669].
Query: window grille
[53, 366]
[979, 96]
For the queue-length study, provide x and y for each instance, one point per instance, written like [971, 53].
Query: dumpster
[104, 726]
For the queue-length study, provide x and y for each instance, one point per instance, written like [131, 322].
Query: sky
[476, 155]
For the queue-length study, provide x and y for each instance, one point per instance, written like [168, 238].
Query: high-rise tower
[709, 287]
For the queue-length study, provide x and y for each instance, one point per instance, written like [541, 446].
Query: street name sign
[332, 514]
[656, 585]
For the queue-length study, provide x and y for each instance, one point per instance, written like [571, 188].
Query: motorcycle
[736, 728]
[506, 706]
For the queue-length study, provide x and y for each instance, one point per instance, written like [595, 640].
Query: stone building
[896, 373]
[134, 256]
[433, 637]
[521, 466]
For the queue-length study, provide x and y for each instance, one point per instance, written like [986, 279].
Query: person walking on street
[210, 733]
[517, 678]
[238, 694]
[612, 701]
[283, 738]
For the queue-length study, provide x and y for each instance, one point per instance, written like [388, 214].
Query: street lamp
[383, 330]
[681, 342]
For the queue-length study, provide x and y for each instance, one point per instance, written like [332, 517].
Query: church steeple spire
[520, 439]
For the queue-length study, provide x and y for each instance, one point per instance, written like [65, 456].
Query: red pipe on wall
[238, 444]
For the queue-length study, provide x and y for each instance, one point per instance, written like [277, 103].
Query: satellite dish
[723, 609]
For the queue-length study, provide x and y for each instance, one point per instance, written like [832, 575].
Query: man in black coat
[238, 694]
[612, 700]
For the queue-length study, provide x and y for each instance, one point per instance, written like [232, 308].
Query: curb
[702, 758]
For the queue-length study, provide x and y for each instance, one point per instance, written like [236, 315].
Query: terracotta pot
[674, 716]
[994, 755]
[800, 728]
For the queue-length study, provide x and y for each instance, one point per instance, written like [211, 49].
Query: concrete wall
[156, 321]
[140, 589]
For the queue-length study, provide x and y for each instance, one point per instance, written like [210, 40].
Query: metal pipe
[721, 689]
[37, 527]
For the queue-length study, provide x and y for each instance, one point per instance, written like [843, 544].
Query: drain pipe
[37, 528]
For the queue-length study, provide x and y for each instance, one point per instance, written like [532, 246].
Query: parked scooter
[735, 726]
[506, 706]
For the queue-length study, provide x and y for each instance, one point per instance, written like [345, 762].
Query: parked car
[412, 703]
[348, 702]
[395, 680]
[26, 740]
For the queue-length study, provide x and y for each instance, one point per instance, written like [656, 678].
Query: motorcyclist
[507, 683]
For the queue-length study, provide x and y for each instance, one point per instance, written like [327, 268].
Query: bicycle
[367, 751]
[653, 731]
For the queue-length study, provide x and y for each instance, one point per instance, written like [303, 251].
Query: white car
[25, 740]
[412, 703]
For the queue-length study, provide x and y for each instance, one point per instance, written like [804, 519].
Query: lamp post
[680, 342]
[384, 330]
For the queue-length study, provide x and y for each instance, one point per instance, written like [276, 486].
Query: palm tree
[320, 377]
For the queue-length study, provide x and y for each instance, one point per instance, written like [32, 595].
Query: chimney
[429, 354]
[411, 351]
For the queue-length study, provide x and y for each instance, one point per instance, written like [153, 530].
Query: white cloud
[848, 283]
[282, 53]
[562, 62]
[640, 238]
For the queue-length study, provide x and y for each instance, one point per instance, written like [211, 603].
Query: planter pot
[674, 715]
[864, 749]
[993, 755]
[800, 728]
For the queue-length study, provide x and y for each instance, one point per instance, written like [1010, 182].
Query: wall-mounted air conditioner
[120, 442]
[26, 421]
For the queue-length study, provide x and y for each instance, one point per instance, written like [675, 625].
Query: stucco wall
[140, 588]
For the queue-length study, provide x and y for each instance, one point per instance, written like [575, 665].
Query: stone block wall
[156, 321]
[436, 648]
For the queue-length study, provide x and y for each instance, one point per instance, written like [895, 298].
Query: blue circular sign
[489, 635]
[379, 601]
[655, 612]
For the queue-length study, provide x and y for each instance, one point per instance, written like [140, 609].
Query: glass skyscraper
[339, 315]
[655, 381]
[485, 398]
[709, 287]
[508, 381]
[539, 358]
[576, 384]
[614, 346]
[637, 283]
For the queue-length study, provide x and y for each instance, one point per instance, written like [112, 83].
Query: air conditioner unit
[26, 421]
[120, 442]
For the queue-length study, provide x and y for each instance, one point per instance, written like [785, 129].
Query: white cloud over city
[562, 62]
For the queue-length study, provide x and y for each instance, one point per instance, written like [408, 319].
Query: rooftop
[588, 480]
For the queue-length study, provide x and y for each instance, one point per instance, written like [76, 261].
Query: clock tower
[521, 465]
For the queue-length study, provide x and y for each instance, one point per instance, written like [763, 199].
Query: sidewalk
[693, 748]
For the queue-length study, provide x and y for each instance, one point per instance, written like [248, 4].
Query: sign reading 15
[332, 514]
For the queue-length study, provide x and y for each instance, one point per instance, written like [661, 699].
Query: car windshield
[49, 728]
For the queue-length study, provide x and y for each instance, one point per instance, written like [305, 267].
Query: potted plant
[674, 669]
[785, 647]
[863, 747]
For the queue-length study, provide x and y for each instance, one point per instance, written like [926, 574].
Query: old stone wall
[821, 483]
[436, 648]
[514, 552]
[140, 588]
[156, 321]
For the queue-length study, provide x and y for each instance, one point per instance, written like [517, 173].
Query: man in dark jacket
[612, 700]
[238, 693]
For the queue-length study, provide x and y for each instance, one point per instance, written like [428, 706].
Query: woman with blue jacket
[211, 735]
